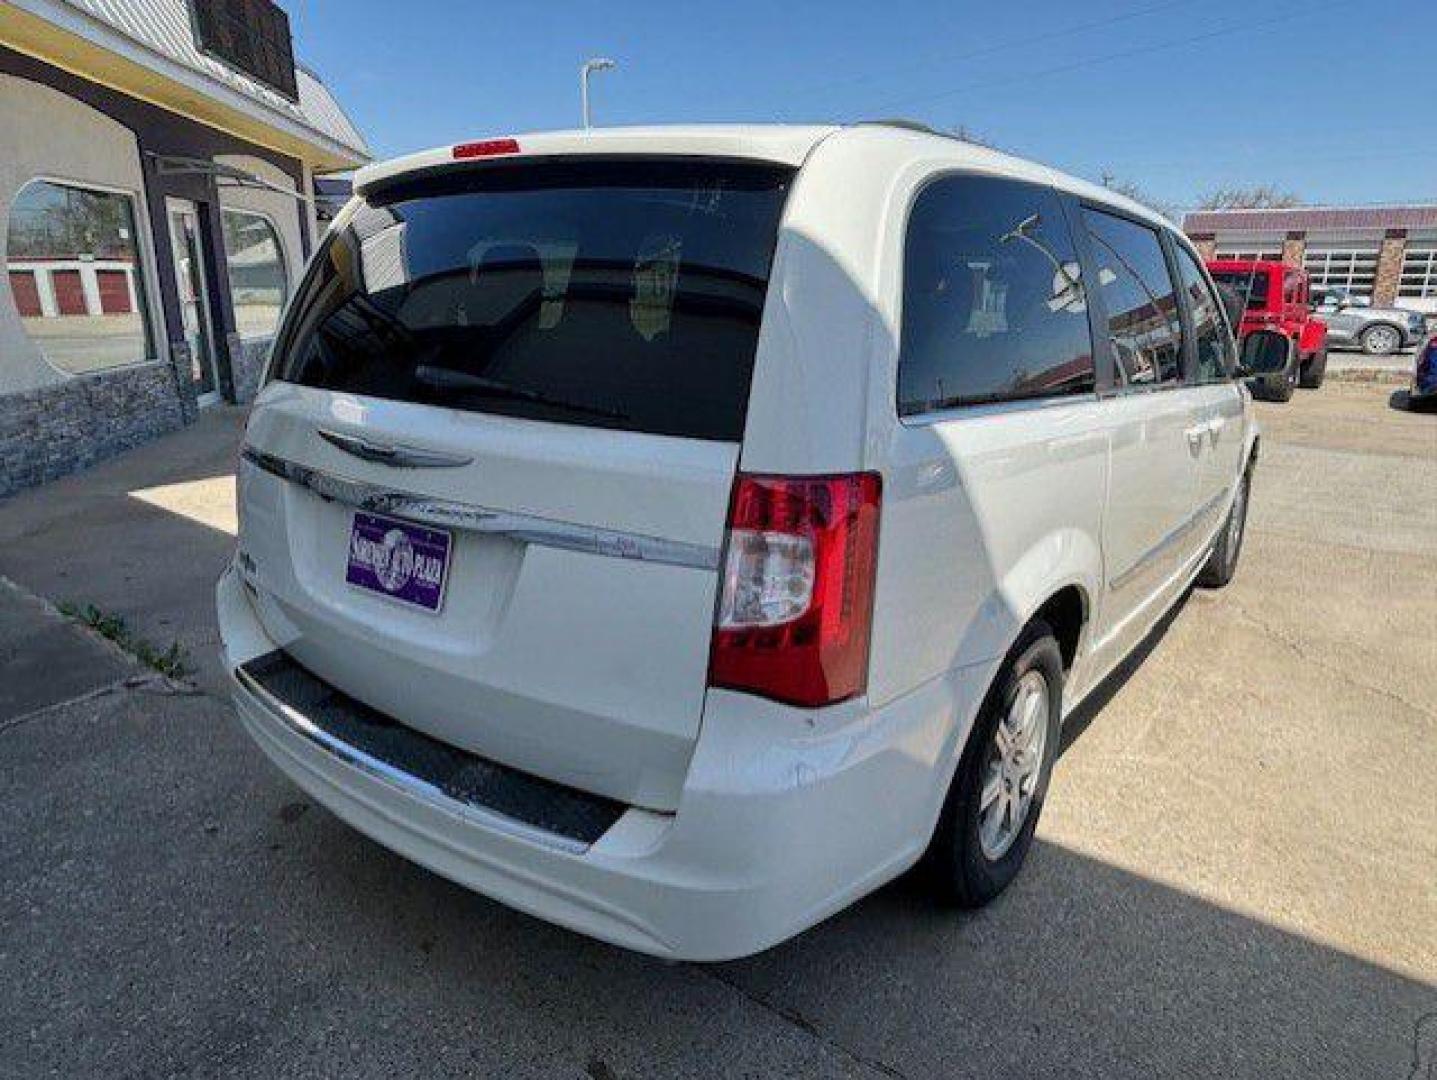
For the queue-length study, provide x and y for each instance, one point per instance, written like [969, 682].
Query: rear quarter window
[994, 307]
[619, 294]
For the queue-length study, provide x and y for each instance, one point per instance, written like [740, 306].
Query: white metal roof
[163, 27]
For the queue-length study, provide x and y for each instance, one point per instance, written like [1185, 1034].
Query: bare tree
[1261, 197]
[1137, 194]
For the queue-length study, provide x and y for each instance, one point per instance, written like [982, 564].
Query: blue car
[1424, 378]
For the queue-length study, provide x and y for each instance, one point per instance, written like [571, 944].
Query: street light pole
[597, 63]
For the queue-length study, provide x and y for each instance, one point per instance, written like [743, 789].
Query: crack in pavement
[1303, 653]
[151, 684]
[796, 1019]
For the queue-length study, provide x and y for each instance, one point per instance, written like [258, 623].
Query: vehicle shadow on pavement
[183, 919]
[1098, 698]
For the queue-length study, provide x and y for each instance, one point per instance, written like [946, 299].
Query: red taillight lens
[486, 148]
[796, 602]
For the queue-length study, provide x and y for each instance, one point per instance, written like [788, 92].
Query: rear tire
[1314, 370]
[1282, 389]
[1222, 561]
[987, 823]
[1380, 339]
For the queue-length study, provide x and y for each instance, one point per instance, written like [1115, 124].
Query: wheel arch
[1067, 613]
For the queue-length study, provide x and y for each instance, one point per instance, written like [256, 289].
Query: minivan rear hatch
[485, 488]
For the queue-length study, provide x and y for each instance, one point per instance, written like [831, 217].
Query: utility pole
[597, 63]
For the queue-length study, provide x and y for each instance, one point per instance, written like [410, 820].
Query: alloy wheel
[1380, 340]
[1013, 767]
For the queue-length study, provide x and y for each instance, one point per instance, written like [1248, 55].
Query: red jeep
[1276, 297]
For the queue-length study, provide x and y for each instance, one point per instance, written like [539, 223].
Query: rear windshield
[1251, 285]
[604, 293]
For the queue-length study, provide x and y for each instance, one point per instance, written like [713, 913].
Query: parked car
[1276, 297]
[676, 533]
[1423, 394]
[1353, 322]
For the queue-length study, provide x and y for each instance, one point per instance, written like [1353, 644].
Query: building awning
[146, 49]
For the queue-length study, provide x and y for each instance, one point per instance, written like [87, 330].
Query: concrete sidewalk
[143, 536]
[46, 660]
[1356, 366]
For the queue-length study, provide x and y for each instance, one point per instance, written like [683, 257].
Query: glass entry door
[194, 297]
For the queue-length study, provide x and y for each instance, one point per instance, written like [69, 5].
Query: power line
[998, 47]
[1125, 54]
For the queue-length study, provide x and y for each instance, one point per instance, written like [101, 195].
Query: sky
[1333, 100]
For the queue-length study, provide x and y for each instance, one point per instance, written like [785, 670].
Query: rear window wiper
[441, 378]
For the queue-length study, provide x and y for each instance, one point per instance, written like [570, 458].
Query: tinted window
[1251, 285]
[608, 294]
[1141, 301]
[1212, 343]
[993, 308]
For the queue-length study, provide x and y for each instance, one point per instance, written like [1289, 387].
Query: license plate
[398, 559]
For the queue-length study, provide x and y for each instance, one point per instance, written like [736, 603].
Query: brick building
[158, 170]
[1388, 255]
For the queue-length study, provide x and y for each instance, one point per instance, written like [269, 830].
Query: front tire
[1380, 340]
[1222, 561]
[987, 823]
[1314, 371]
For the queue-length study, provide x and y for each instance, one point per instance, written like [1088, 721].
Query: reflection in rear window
[605, 293]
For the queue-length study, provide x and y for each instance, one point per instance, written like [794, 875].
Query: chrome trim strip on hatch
[395, 454]
[523, 528]
[410, 784]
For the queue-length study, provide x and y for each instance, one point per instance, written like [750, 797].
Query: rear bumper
[785, 817]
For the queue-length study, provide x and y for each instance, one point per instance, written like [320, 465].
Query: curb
[1368, 375]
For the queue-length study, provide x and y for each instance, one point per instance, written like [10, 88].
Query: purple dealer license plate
[398, 559]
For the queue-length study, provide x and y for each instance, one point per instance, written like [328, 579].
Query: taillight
[486, 148]
[796, 599]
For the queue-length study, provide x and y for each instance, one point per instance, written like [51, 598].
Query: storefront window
[75, 276]
[259, 283]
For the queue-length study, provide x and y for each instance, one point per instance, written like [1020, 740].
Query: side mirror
[1264, 353]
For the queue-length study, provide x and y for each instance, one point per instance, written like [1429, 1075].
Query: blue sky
[1320, 97]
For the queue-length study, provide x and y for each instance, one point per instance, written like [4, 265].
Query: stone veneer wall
[247, 360]
[1389, 268]
[1294, 248]
[53, 430]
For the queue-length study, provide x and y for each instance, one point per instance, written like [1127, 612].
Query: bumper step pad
[456, 774]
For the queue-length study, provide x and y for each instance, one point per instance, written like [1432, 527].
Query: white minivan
[676, 533]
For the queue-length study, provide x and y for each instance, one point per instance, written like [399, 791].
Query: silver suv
[1352, 321]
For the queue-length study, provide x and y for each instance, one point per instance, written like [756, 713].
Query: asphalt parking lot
[1234, 875]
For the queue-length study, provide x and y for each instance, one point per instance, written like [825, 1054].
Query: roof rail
[900, 122]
